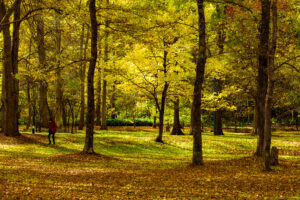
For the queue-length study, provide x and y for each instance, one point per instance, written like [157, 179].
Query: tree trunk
[89, 139]
[104, 108]
[269, 95]
[161, 108]
[29, 104]
[154, 121]
[296, 117]
[219, 129]
[113, 102]
[196, 106]
[104, 122]
[82, 76]
[43, 103]
[221, 41]
[98, 107]
[262, 81]
[255, 119]
[10, 69]
[59, 81]
[176, 126]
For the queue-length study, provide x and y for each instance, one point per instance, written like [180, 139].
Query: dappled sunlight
[132, 165]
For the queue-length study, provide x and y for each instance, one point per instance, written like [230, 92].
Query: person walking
[52, 130]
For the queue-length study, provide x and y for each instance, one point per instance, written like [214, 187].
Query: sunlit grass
[139, 147]
[126, 161]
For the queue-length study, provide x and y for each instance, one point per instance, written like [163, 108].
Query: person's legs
[53, 137]
[49, 137]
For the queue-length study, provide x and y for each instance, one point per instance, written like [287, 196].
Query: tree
[43, 88]
[10, 67]
[176, 127]
[196, 106]
[88, 147]
[269, 94]
[82, 72]
[104, 89]
[262, 79]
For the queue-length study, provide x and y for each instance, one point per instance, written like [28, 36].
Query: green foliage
[124, 122]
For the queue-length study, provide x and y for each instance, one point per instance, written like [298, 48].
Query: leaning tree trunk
[176, 126]
[262, 81]
[269, 96]
[196, 106]
[89, 139]
[161, 114]
[161, 108]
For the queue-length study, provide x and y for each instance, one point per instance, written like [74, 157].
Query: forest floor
[130, 165]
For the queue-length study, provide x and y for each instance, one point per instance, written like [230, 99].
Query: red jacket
[52, 126]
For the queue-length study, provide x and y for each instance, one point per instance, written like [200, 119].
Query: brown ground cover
[77, 176]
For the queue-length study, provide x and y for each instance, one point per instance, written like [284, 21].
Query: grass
[130, 165]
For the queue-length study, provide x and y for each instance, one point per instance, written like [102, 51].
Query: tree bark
[196, 106]
[59, 81]
[176, 126]
[269, 95]
[29, 104]
[104, 106]
[221, 41]
[255, 119]
[43, 90]
[104, 122]
[10, 69]
[262, 81]
[113, 102]
[82, 76]
[161, 108]
[154, 122]
[89, 139]
[98, 107]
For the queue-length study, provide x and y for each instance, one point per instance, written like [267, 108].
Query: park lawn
[130, 165]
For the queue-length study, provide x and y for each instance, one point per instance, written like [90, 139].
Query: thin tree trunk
[89, 139]
[263, 50]
[104, 122]
[161, 109]
[219, 129]
[176, 126]
[255, 119]
[64, 117]
[196, 106]
[104, 106]
[269, 96]
[29, 104]
[296, 117]
[59, 81]
[154, 121]
[113, 102]
[82, 76]
[98, 107]
[221, 41]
